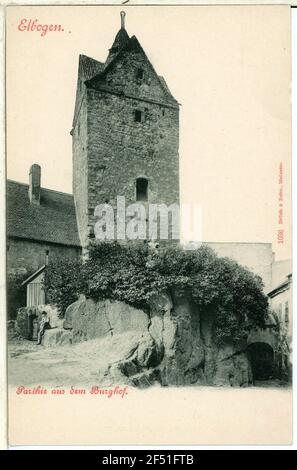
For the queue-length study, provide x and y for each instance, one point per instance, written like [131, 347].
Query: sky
[229, 68]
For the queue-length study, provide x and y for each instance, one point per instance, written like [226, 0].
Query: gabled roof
[281, 287]
[53, 221]
[119, 42]
[131, 44]
[34, 275]
[87, 68]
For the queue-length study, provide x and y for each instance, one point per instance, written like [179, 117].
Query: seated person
[43, 325]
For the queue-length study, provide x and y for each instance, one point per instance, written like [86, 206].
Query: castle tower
[125, 133]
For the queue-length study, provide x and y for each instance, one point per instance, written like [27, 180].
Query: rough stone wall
[80, 168]
[120, 149]
[122, 77]
[111, 150]
[29, 255]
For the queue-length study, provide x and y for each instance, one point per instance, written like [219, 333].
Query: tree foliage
[16, 293]
[133, 273]
[63, 283]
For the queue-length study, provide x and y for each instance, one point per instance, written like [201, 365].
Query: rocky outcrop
[89, 319]
[56, 337]
[172, 343]
[24, 321]
[52, 314]
[28, 319]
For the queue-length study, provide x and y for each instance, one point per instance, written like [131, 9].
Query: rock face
[24, 321]
[172, 343]
[28, 318]
[89, 319]
[52, 313]
[56, 337]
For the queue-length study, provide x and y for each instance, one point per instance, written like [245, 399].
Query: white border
[3, 370]
[3, 390]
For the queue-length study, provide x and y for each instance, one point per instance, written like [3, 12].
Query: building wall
[119, 150]
[280, 271]
[27, 255]
[258, 257]
[35, 291]
[281, 304]
[80, 171]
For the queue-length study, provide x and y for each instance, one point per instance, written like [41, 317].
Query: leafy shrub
[133, 273]
[16, 293]
[62, 283]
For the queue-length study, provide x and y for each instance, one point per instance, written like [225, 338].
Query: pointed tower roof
[120, 40]
[98, 81]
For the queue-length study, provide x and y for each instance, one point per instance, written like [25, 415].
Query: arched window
[141, 189]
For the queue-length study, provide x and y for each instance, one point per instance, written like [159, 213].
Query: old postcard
[148, 247]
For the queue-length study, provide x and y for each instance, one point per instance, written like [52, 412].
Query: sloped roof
[121, 39]
[52, 221]
[87, 69]
[90, 67]
[92, 73]
[281, 287]
[34, 275]
[131, 44]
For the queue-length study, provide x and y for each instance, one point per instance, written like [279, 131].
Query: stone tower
[125, 133]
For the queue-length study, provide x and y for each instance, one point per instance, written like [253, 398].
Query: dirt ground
[32, 364]
[81, 364]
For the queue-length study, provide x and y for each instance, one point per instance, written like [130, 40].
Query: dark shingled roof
[121, 40]
[90, 67]
[128, 44]
[87, 69]
[53, 221]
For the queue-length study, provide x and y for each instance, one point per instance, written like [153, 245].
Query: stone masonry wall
[29, 255]
[121, 150]
[80, 171]
[111, 150]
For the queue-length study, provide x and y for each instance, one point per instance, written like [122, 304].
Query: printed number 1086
[280, 236]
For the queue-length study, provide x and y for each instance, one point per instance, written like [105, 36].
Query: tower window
[287, 312]
[141, 189]
[280, 312]
[139, 74]
[138, 115]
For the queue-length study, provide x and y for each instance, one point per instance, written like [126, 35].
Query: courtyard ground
[196, 415]
[32, 364]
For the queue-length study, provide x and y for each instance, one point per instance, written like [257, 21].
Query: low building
[35, 293]
[41, 227]
[280, 299]
[281, 302]
[270, 348]
[41, 224]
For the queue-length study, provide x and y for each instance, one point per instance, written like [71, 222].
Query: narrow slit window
[138, 115]
[139, 74]
[287, 312]
[141, 189]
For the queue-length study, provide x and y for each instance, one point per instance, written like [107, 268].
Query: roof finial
[123, 14]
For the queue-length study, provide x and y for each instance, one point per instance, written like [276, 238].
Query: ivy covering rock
[134, 273]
